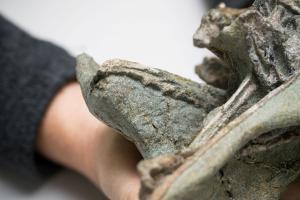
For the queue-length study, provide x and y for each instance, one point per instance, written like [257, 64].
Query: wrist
[68, 131]
[72, 137]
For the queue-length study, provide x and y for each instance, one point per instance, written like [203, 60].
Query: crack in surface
[226, 184]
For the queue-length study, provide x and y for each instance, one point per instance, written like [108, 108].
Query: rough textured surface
[214, 72]
[245, 148]
[158, 111]
[263, 40]
[260, 45]
[244, 177]
[199, 166]
[263, 173]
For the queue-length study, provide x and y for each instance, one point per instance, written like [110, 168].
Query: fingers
[118, 176]
[292, 192]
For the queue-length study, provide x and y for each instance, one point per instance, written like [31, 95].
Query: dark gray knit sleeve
[32, 71]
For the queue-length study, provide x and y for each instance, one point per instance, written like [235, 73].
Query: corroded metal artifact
[237, 137]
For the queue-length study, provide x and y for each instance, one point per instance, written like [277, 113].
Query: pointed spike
[86, 69]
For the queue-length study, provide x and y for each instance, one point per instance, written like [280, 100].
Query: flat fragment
[158, 111]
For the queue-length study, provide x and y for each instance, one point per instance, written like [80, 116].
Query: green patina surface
[201, 142]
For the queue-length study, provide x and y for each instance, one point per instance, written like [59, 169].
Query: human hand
[72, 137]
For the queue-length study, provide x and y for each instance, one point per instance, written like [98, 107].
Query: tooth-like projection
[215, 72]
[158, 111]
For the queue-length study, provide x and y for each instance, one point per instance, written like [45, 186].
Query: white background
[157, 33]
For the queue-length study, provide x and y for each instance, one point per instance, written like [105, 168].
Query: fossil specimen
[159, 111]
[204, 142]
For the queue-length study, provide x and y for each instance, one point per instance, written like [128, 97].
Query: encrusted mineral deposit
[238, 142]
[160, 112]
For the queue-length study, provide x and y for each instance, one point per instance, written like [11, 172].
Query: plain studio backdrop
[157, 33]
